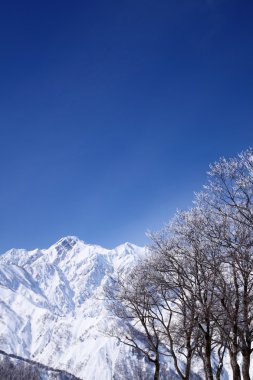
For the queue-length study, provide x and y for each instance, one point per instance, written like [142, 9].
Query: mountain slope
[52, 309]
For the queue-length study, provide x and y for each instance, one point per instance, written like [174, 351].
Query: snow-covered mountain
[52, 311]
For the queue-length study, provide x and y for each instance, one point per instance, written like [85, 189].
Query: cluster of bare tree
[192, 296]
[14, 367]
[10, 370]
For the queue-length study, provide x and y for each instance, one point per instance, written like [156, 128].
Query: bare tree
[11, 370]
[194, 294]
[229, 196]
[177, 306]
[133, 303]
[191, 256]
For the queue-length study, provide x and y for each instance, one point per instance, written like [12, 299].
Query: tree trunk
[218, 372]
[207, 357]
[157, 369]
[245, 365]
[188, 367]
[188, 356]
[221, 353]
[246, 351]
[235, 366]
[208, 368]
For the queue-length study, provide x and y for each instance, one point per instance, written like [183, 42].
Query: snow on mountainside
[51, 309]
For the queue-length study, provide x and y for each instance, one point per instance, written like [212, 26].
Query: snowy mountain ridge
[52, 308]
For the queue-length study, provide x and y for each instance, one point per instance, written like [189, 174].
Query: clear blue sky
[111, 111]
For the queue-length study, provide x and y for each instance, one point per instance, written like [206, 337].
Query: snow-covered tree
[229, 197]
[130, 299]
[194, 294]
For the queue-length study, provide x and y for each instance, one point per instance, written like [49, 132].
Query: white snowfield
[52, 309]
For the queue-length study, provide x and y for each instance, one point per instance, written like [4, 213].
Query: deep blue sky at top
[111, 111]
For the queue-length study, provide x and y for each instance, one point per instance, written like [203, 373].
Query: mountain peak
[66, 243]
[127, 246]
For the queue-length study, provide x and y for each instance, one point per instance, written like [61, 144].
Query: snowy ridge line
[39, 365]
